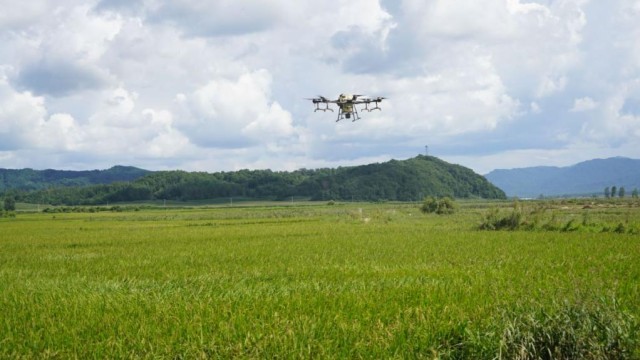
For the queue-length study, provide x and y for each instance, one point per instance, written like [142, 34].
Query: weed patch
[540, 218]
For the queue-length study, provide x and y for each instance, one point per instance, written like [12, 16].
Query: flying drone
[347, 105]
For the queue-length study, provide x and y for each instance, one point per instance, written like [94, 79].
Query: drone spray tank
[344, 101]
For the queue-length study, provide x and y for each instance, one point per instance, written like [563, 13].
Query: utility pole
[426, 150]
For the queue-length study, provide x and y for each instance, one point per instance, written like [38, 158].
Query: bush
[494, 221]
[429, 205]
[7, 214]
[443, 206]
[9, 204]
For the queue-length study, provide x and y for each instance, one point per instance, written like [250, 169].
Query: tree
[634, 193]
[613, 191]
[607, 192]
[9, 203]
[621, 192]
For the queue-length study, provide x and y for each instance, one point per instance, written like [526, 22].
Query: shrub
[494, 221]
[7, 214]
[429, 205]
[443, 206]
[9, 203]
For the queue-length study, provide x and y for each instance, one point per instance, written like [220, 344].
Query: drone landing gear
[366, 107]
[348, 115]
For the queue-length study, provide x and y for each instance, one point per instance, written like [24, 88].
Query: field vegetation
[346, 280]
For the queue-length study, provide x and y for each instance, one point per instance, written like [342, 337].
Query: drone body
[347, 105]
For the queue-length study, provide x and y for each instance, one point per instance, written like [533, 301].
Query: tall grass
[543, 217]
[570, 331]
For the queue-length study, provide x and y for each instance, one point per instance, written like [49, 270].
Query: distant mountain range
[403, 180]
[585, 178]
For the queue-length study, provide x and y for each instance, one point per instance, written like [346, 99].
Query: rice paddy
[318, 281]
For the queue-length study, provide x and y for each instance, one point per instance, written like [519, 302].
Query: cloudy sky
[220, 85]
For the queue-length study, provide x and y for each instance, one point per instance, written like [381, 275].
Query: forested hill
[29, 179]
[404, 180]
[585, 178]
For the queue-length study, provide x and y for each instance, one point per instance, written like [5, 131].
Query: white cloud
[116, 110]
[166, 141]
[218, 18]
[17, 15]
[230, 113]
[549, 86]
[221, 85]
[20, 113]
[535, 108]
[584, 104]
[59, 54]
[458, 100]
[58, 132]
[276, 122]
[613, 126]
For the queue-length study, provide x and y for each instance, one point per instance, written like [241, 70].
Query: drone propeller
[321, 100]
[318, 99]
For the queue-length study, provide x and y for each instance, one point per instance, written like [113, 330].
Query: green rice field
[352, 280]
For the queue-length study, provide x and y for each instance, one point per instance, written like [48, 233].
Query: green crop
[339, 281]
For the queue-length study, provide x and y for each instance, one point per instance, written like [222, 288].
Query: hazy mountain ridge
[403, 180]
[585, 178]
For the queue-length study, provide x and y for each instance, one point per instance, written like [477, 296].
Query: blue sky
[220, 85]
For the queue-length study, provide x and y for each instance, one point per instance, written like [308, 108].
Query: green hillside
[405, 180]
[29, 179]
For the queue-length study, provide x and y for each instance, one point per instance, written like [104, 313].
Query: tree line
[613, 191]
